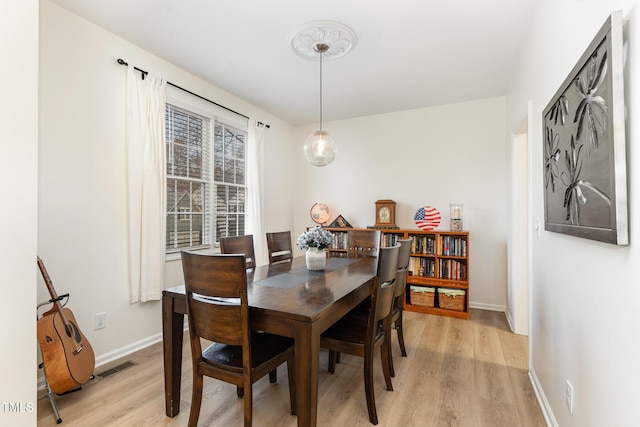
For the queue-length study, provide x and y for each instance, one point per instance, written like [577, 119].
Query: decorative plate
[320, 213]
[427, 218]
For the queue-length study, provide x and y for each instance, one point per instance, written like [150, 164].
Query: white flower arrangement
[316, 237]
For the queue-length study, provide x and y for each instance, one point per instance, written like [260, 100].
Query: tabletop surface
[290, 290]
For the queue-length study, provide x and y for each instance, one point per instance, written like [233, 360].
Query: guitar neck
[52, 291]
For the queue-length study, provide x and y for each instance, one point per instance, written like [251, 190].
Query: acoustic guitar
[68, 357]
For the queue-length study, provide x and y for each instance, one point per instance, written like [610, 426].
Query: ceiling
[409, 53]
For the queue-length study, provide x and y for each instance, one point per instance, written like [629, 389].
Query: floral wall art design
[585, 176]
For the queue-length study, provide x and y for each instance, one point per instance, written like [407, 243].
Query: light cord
[321, 55]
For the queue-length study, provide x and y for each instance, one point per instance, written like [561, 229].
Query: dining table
[286, 299]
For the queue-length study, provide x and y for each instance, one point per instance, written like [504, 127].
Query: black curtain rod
[144, 73]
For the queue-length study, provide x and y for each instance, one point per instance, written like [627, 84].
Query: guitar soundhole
[72, 330]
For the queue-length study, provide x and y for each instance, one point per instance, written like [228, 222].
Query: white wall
[584, 315]
[429, 156]
[82, 200]
[18, 178]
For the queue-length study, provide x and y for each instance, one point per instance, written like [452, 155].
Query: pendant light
[321, 41]
[320, 148]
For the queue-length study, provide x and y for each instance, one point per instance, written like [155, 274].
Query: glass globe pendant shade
[320, 148]
[318, 41]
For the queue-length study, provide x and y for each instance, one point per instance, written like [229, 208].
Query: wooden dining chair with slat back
[218, 311]
[360, 333]
[279, 246]
[243, 245]
[363, 243]
[239, 245]
[397, 307]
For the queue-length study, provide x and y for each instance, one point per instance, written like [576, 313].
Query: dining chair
[363, 243]
[404, 253]
[218, 311]
[243, 245]
[239, 245]
[359, 333]
[279, 246]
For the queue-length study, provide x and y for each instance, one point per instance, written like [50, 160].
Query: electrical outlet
[100, 321]
[569, 397]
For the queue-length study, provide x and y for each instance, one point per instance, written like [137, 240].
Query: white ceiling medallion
[338, 37]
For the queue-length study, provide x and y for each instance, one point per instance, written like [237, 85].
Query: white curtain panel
[255, 212]
[146, 180]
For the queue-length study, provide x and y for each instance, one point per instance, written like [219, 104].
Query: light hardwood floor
[457, 373]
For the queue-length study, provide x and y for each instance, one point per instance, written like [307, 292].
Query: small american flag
[427, 218]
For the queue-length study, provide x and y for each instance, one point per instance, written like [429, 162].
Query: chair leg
[388, 324]
[385, 352]
[273, 376]
[392, 371]
[332, 361]
[368, 388]
[239, 391]
[403, 349]
[196, 400]
[291, 371]
[248, 406]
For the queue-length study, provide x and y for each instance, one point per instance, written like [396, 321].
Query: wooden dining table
[284, 299]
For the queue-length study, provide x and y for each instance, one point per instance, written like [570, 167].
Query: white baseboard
[482, 306]
[549, 418]
[121, 352]
[116, 354]
[507, 314]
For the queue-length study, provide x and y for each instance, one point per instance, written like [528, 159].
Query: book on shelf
[339, 240]
[422, 267]
[423, 245]
[452, 270]
[453, 246]
[390, 239]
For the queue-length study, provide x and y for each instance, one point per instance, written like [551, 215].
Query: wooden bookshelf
[439, 260]
[339, 246]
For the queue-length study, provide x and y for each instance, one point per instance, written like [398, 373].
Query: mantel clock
[385, 213]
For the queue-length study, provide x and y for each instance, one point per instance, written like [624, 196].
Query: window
[206, 195]
[188, 178]
[230, 180]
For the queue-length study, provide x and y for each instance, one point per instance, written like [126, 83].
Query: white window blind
[188, 179]
[230, 180]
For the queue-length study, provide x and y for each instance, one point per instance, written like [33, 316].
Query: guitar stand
[54, 406]
[50, 392]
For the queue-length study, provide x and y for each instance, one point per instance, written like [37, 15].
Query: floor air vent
[116, 369]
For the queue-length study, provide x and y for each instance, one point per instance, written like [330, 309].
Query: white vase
[316, 259]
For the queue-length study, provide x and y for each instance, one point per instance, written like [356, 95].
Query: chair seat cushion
[264, 346]
[350, 328]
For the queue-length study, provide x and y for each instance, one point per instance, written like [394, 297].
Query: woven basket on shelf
[451, 299]
[422, 296]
